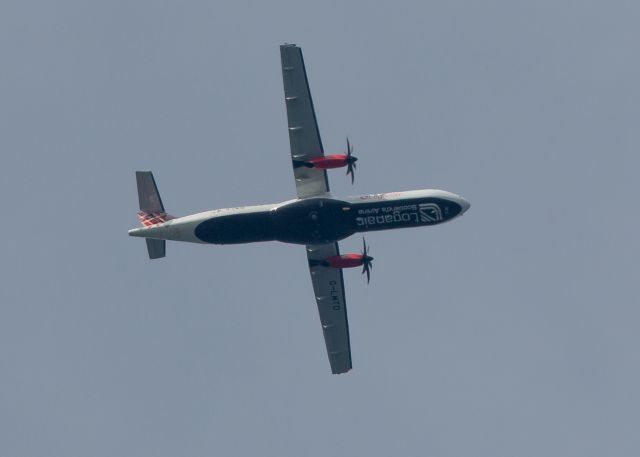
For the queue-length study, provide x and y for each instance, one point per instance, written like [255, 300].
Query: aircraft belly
[313, 221]
[302, 222]
[237, 228]
[324, 220]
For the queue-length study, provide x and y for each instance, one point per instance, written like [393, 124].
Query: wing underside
[328, 286]
[304, 136]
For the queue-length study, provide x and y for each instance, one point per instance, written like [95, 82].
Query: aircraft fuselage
[316, 220]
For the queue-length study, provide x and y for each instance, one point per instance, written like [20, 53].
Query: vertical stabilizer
[148, 195]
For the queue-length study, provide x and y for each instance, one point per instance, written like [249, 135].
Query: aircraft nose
[464, 204]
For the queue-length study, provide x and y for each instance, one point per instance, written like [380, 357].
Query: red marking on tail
[149, 219]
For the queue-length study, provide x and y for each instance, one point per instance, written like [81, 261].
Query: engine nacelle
[339, 261]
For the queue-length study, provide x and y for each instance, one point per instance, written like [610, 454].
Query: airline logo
[430, 212]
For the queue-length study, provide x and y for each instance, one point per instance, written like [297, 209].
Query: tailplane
[151, 211]
[157, 249]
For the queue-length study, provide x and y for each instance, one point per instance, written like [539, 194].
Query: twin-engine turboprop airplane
[314, 219]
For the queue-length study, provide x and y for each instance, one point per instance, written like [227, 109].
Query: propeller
[367, 264]
[351, 161]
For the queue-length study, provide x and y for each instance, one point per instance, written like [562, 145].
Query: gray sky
[510, 331]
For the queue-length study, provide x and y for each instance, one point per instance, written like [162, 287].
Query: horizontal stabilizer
[156, 248]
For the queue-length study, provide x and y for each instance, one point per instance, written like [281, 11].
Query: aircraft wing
[304, 136]
[328, 286]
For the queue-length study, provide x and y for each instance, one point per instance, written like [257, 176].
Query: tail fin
[148, 196]
[151, 211]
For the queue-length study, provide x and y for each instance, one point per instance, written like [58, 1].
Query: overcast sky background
[512, 331]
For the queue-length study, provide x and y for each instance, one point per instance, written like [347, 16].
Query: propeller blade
[367, 264]
[351, 162]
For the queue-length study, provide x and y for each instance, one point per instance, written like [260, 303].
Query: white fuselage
[314, 220]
